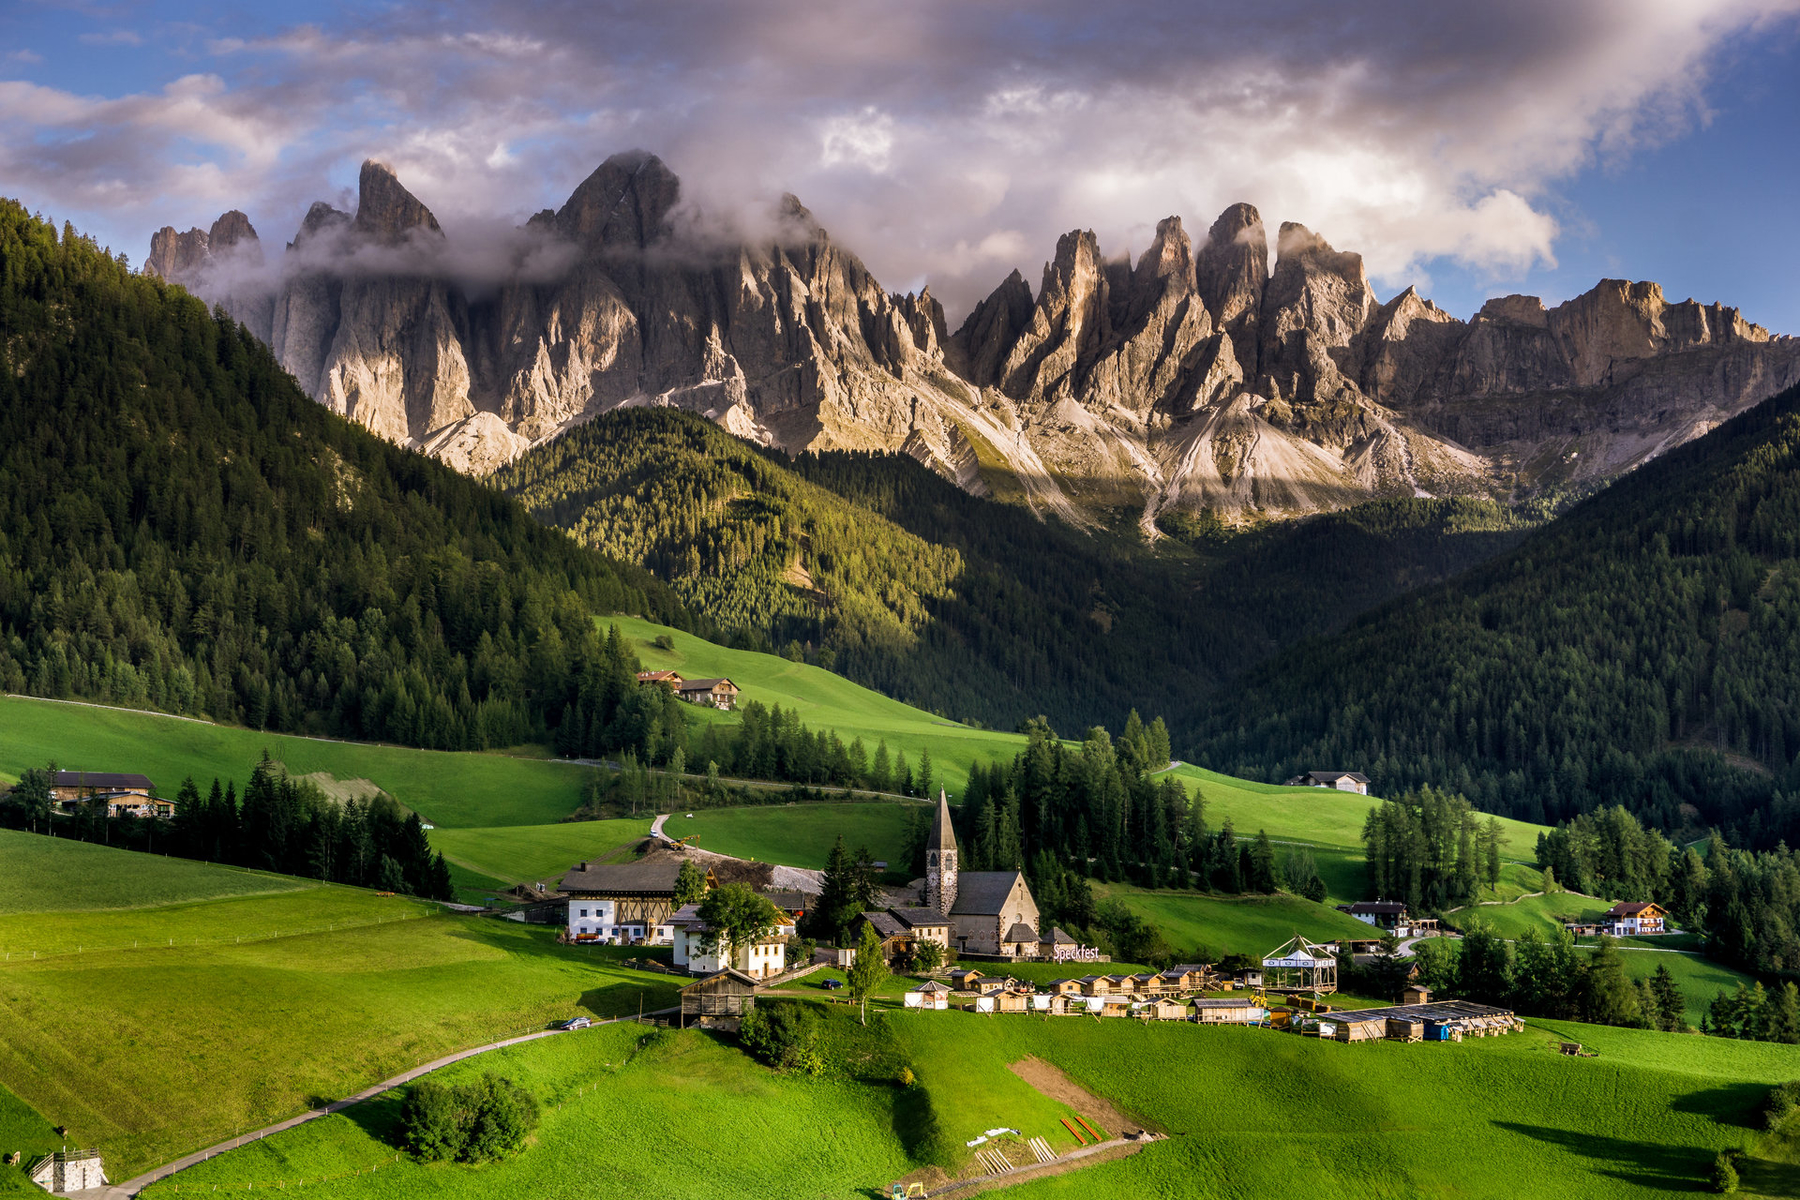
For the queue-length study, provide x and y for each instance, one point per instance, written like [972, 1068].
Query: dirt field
[1050, 1080]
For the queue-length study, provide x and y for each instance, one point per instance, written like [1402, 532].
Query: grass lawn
[1257, 1113]
[25, 1131]
[460, 789]
[1700, 979]
[797, 835]
[675, 1115]
[42, 874]
[151, 1052]
[1232, 924]
[825, 701]
[526, 853]
[1545, 913]
[1317, 815]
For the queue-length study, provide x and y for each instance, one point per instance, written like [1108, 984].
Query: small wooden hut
[1227, 1010]
[727, 995]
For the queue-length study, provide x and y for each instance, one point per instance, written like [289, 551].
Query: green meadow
[1251, 1113]
[263, 1005]
[446, 789]
[50, 874]
[526, 853]
[797, 835]
[825, 701]
[1251, 925]
[25, 1132]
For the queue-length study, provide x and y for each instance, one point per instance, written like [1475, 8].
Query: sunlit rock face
[1196, 377]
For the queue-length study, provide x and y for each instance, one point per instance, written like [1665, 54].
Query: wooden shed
[1065, 987]
[1096, 985]
[1227, 1010]
[723, 994]
[965, 979]
[1165, 1009]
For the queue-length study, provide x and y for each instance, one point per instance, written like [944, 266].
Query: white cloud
[939, 140]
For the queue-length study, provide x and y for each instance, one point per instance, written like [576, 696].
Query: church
[990, 912]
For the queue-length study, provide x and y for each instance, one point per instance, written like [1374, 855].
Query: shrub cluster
[471, 1123]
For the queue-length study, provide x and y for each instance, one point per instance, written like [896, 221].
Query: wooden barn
[1164, 1009]
[1066, 987]
[1227, 1010]
[965, 979]
[725, 996]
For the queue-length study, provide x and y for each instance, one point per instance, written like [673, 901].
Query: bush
[1723, 1177]
[488, 1119]
[783, 1036]
[1780, 1104]
[663, 641]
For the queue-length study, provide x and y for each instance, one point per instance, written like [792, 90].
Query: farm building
[895, 943]
[696, 951]
[1633, 917]
[930, 994]
[669, 679]
[791, 901]
[1164, 1010]
[68, 1171]
[726, 995]
[122, 794]
[1228, 1010]
[1298, 965]
[1434, 1021]
[1342, 781]
[715, 693]
[965, 979]
[626, 903]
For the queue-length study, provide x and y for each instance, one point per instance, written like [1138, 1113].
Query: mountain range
[1196, 379]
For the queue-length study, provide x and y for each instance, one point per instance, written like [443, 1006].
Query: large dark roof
[789, 899]
[637, 879]
[99, 779]
[1334, 776]
[695, 685]
[1021, 932]
[885, 925]
[982, 893]
[913, 918]
[1376, 908]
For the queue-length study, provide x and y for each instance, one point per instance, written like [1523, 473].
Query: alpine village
[1068, 684]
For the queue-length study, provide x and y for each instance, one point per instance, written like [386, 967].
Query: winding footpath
[131, 1187]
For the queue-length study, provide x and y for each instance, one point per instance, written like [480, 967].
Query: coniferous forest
[1642, 650]
[183, 529]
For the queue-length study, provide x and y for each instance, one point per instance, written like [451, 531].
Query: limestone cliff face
[1194, 377]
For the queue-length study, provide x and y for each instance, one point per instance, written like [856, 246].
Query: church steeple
[940, 859]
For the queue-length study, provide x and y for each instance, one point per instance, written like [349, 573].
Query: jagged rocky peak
[978, 349]
[175, 256]
[385, 211]
[1516, 309]
[232, 233]
[1314, 305]
[624, 204]
[1165, 269]
[321, 221]
[1069, 324]
[1231, 270]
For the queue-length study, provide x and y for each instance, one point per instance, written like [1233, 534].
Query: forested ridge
[183, 529]
[1643, 649]
[876, 567]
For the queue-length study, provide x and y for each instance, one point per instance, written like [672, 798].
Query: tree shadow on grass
[1734, 1104]
[1645, 1164]
[1759, 1175]
[380, 1117]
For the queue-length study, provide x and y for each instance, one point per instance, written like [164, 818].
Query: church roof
[943, 834]
[982, 893]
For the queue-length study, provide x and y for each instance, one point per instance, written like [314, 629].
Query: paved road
[131, 1187]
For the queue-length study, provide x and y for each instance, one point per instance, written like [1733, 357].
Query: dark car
[831, 984]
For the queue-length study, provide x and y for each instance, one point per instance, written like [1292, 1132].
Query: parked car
[575, 1023]
[831, 984]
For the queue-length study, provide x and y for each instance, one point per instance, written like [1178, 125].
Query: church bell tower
[940, 859]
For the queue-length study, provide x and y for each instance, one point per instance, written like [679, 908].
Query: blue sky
[1472, 152]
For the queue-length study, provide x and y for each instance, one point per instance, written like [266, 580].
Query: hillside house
[791, 901]
[1634, 917]
[669, 679]
[1342, 781]
[623, 903]
[1382, 914]
[719, 999]
[714, 693]
[696, 952]
[121, 794]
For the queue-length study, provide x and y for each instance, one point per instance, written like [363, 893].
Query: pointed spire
[943, 834]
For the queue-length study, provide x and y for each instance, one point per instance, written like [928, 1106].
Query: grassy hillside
[262, 1005]
[799, 835]
[526, 853]
[51, 875]
[23, 1130]
[1640, 1121]
[445, 788]
[1233, 924]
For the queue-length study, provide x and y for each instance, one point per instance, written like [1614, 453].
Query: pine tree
[1670, 1006]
